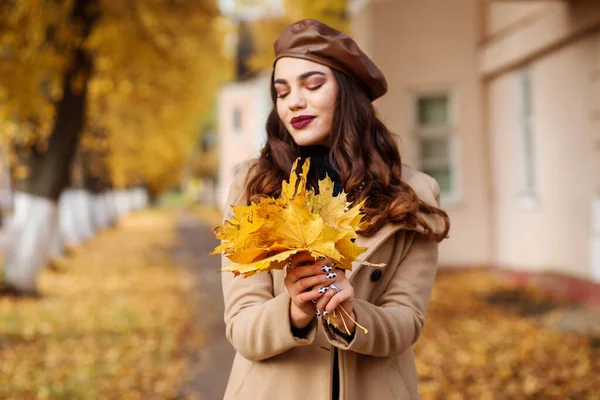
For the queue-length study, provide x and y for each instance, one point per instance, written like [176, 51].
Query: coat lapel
[373, 243]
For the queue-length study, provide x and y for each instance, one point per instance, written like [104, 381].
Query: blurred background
[121, 123]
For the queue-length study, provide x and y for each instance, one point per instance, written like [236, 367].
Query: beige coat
[271, 363]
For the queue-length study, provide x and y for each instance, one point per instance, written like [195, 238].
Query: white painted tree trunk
[67, 220]
[121, 202]
[145, 198]
[140, 198]
[29, 253]
[111, 208]
[136, 199]
[83, 214]
[99, 211]
[129, 201]
[22, 203]
[56, 248]
[118, 202]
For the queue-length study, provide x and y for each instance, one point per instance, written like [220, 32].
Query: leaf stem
[353, 320]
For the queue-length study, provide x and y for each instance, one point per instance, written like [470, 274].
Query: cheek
[326, 104]
[327, 109]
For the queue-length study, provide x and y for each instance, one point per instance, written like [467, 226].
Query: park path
[209, 361]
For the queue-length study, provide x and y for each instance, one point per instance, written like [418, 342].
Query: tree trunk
[68, 221]
[50, 170]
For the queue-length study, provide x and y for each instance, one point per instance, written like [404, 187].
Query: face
[306, 95]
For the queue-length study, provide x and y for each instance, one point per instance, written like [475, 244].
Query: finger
[309, 282]
[309, 270]
[311, 295]
[328, 293]
[342, 296]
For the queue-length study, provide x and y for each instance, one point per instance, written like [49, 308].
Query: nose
[296, 100]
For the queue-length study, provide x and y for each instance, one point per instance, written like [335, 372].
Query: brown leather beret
[312, 40]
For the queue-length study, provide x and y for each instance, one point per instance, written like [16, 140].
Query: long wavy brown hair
[365, 155]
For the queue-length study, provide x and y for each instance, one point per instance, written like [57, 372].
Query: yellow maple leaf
[265, 235]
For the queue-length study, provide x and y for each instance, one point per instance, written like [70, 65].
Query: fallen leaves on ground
[109, 324]
[473, 348]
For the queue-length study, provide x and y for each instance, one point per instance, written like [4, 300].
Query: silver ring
[335, 287]
[290, 265]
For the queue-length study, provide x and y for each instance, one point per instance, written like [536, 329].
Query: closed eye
[283, 95]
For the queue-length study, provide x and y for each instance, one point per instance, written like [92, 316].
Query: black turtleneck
[320, 164]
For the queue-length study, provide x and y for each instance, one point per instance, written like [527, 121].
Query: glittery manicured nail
[323, 289]
[331, 275]
[318, 313]
[326, 268]
[325, 313]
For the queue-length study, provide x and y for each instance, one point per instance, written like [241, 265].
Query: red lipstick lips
[302, 121]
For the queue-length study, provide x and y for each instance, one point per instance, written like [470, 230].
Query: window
[237, 119]
[526, 177]
[434, 136]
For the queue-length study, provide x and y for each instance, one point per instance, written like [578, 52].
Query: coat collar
[372, 243]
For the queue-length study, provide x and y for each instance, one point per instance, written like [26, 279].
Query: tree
[127, 79]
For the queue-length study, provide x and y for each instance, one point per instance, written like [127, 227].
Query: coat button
[376, 275]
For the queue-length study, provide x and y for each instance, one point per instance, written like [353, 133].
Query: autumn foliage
[266, 235]
[156, 68]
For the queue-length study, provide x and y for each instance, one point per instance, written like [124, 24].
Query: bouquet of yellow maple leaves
[264, 236]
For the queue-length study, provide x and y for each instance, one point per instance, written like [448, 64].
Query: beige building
[500, 102]
[243, 108]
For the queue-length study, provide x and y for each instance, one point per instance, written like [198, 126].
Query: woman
[322, 89]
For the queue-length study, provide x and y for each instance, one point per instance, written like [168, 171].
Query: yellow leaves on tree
[158, 69]
[157, 66]
[265, 235]
[31, 66]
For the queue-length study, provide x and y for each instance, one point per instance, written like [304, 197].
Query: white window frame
[454, 196]
[526, 171]
[237, 115]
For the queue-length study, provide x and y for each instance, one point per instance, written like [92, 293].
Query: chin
[307, 139]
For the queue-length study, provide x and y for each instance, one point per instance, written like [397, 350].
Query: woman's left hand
[331, 300]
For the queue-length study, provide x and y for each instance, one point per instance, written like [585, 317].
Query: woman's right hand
[307, 281]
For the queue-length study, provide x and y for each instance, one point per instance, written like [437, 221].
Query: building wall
[538, 29]
[552, 230]
[502, 17]
[558, 42]
[236, 145]
[429, 45]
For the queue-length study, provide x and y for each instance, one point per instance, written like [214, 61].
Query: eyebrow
[301, 78]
